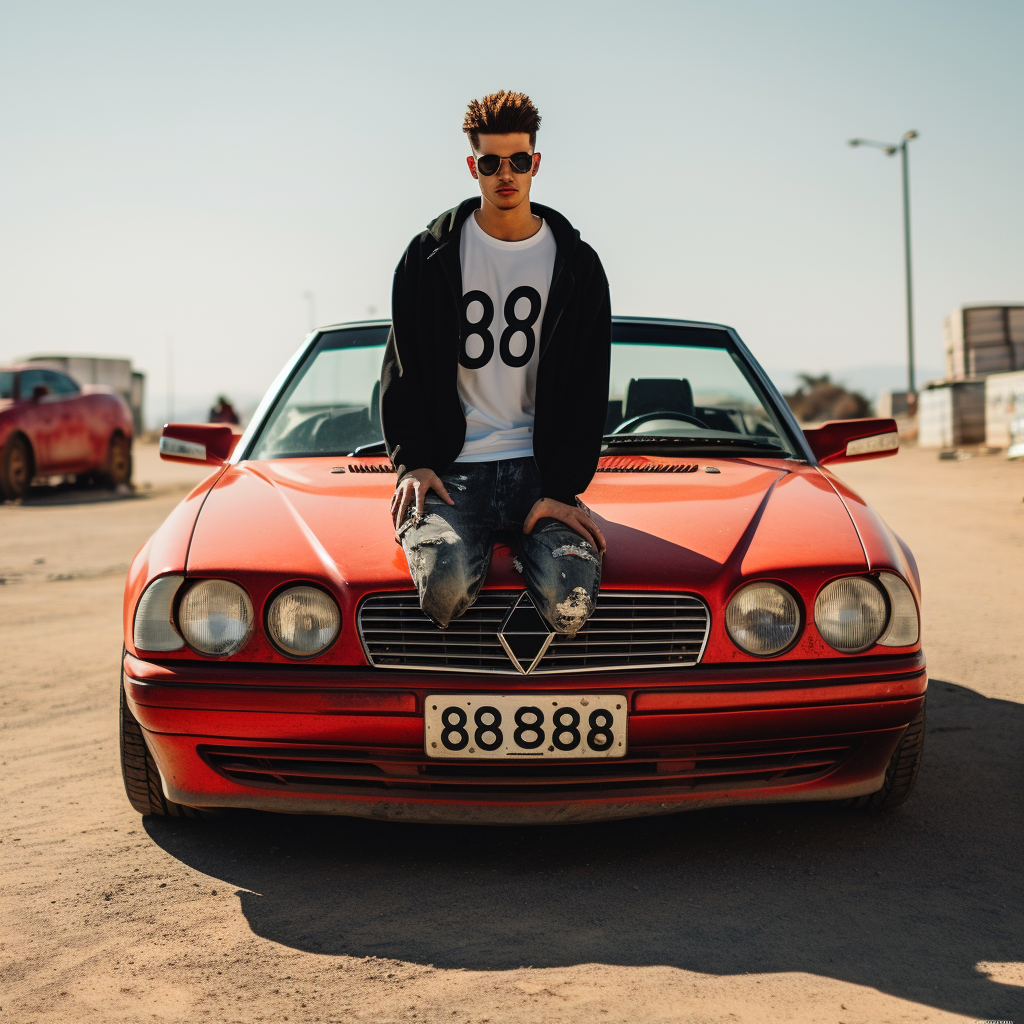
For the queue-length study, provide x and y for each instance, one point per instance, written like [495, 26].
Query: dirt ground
[797, 913]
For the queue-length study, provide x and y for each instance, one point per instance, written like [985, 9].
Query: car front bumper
[350, 741]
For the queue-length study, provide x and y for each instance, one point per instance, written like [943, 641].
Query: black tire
[901, 772]
[141, 778]
[117, 468]
[17, 467]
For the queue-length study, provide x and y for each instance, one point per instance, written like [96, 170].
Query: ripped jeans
[449, 547]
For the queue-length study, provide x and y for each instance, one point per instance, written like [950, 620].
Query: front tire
[901, 772]
[141, 776]
[16, 468]
[117, 469]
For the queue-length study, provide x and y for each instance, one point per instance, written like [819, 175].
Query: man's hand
[413, 487]
[571, 515]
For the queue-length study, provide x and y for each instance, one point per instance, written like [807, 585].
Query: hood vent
[642, 464]
[612, 464]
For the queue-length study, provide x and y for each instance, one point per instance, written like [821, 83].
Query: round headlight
[303, 621]
[850, 614]
[762, 618]
[215, 617]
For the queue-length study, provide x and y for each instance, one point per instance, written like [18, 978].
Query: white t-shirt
[504, 293]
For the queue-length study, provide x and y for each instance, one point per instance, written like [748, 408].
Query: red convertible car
[756, 637]
[50, 426]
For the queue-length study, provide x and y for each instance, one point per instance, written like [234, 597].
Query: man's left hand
[573, 517]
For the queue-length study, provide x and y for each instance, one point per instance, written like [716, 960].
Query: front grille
[736, 766]
[626, 630]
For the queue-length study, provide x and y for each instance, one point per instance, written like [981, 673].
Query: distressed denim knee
[563, 572]
[447, 572]
[445, 596]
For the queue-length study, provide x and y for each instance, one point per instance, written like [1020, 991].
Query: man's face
[506, 188]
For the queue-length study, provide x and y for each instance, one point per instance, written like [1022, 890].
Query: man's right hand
[413, 488]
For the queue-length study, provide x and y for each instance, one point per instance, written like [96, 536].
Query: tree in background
[820, 398]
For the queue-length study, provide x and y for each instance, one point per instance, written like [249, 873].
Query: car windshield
[685, 386]
[331, 404]
[6, 384]
[672, 388]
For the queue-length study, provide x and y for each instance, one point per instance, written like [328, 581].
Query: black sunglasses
[521, 163]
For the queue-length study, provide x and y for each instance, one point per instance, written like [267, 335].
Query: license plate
[525, 726]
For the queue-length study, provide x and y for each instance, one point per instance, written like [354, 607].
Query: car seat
[657, 394]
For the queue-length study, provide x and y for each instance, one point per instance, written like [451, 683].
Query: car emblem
[525, 635]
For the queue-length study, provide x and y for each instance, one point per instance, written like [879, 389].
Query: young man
[494, 386]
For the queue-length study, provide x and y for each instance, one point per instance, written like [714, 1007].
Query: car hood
[324, 519]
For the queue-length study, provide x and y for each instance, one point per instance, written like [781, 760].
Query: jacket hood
[678, 530]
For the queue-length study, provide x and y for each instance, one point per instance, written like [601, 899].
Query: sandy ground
[793, 913]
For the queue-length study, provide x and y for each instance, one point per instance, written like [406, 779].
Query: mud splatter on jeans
[448, 548]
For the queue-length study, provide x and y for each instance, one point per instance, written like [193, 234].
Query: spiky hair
[501, 113]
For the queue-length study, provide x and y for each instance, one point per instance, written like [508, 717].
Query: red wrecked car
[756, 637]
[49, 425]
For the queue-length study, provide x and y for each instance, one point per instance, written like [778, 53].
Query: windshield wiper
[658, 441]
[377, 448]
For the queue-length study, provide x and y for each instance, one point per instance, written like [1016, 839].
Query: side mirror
[39, 391]
[853, 440]
[209, 443]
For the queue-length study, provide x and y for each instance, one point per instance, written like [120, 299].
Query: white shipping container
[951, 414]
[1004, 403]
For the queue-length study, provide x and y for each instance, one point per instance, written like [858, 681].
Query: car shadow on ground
[71, 493]
[908, 902]
[75, 492]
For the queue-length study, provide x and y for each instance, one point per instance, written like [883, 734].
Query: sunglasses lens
[521, 163]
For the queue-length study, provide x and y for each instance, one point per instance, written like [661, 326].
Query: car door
[38, 418]
[73, 441]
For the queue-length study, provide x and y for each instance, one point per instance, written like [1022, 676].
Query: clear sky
[188, 171]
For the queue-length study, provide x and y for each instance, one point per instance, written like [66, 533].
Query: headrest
[657, 394]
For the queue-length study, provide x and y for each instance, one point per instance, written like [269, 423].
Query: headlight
[154, 623]
[903, 623]
[303, 621]
[850, 614]
[215, 617]
[762, 618]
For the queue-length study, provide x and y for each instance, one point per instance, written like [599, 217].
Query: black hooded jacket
[424, 425]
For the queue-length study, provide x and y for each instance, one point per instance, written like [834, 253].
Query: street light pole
[891, 149]
[906, 255]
